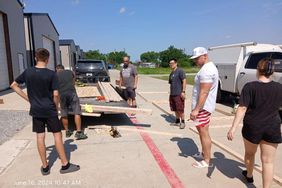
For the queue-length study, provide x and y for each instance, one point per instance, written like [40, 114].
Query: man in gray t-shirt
[129, 79]
[69, 100]
[177, 81]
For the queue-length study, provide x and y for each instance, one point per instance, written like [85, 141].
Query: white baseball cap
[197, 52]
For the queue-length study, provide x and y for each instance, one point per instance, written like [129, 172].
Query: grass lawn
[189, 78]
[164, 70]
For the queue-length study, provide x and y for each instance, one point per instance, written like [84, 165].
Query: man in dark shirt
[42, 94]
[69, 101]
[177, 81]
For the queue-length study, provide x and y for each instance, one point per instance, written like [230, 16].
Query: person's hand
[183, 96]
[194, 114]
[230, 134]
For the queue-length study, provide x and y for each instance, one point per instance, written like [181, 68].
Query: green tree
[172, 52]
[150, 56]
[116, 58]
[95, 54]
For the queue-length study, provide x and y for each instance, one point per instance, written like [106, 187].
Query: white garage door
[4, 75]
[49, 45]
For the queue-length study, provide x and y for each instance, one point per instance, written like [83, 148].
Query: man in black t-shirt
[69, 101]
[42, 94]
[177, 81]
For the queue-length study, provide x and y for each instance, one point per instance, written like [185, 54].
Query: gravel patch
[11, 122]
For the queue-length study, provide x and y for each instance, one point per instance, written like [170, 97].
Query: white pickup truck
[237, 65]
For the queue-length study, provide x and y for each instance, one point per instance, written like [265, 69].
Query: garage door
[49, 45]
[4, 75]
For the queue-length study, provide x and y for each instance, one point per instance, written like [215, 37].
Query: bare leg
[206, 142]
[65, 122]
[250, 151]
[42, 148]
[134, 102]
[77, 120]
[60, 147]
[268, 151]
[181, 115]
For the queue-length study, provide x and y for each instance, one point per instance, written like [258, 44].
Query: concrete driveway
[150, 152]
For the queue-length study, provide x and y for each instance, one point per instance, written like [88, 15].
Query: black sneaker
[69, 133]
[249, 180]
[69, 168]
[80, 135]
[45, 171]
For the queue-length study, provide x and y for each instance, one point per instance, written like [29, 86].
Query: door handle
[242, 73]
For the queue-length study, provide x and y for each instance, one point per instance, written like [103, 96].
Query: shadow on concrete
[228, 167]
[53, 155]
[110, 120]
[168, 118]
[187, 146]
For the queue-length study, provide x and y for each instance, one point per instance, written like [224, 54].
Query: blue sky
[137, 26]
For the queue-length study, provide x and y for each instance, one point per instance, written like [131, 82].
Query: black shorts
[52, 123]
[176, 103]
[129, 93]
[257, 133]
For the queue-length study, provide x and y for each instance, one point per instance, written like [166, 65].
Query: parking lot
[149, 153]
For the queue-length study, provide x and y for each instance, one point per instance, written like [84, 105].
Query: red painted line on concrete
[172, 178]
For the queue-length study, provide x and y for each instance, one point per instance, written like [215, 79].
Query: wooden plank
[91, 114]
[103, 92]
[87, 91]
[114, 93]
[98, 108]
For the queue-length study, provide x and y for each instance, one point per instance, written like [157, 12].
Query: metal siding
[4, 76]
[49, 45]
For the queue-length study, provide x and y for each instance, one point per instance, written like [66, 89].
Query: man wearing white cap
[203, 102]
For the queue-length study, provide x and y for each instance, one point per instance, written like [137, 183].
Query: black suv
[88, 70]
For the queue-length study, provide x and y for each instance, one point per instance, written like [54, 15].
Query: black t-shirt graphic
[40, 83]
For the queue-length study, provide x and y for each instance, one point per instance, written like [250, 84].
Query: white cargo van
[237, 64]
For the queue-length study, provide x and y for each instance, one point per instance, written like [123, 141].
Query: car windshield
[89, 65]
[255, 58]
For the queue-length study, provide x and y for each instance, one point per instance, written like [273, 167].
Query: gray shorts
[70, 104]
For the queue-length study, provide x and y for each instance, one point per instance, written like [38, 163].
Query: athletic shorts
[52, 123]
[69, 103]
[256, 133]
[129, 93]
[202, 119]
[176, 103]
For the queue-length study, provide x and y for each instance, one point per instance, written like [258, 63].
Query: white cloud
[131, 13]
[75, 2]
[122, 10]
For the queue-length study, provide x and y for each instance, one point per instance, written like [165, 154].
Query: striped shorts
[203, 118]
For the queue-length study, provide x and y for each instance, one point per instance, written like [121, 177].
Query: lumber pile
[109, 92]
[87, 91]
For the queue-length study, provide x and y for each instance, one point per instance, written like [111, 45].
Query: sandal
[201, 164]
[198, 155]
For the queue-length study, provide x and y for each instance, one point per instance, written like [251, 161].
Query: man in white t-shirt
[203, 102]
